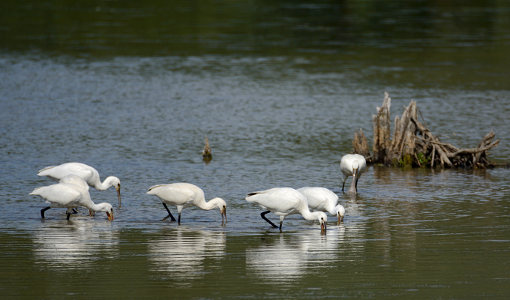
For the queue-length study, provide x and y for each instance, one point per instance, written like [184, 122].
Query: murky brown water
[279, 89]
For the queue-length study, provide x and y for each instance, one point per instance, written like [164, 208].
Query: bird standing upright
[352, 165]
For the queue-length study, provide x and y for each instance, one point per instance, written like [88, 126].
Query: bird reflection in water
[284, 259]
[77, 244]
[182, 252]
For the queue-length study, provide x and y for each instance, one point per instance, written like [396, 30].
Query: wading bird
[86, 172]
[322, 199]
[283, 202]
[352, 165]
[186, 194]
[70, 192]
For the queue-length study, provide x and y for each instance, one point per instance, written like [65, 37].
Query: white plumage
[283, 202]
[322, 199]
[86, 172]
[186, 194]
[352, 165]
[70, 192]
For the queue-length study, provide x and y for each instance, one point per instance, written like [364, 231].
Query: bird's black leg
[281, 223]
[179, 219]
[68, 215]
[43, 210]
[343, 185]
[263, 215]
[169, 213]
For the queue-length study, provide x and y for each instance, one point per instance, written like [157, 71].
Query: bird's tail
[37, 191]
[150, 190]
[43, 172]
[252, 196]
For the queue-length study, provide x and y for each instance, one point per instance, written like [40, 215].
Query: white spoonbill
[86, 172]
[70, 192]
[352, 165]
[184, 194]
[322, 199]
[285, 201]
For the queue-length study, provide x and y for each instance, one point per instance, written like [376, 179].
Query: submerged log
[413, 145]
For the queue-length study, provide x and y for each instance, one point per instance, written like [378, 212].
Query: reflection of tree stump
[414, 145]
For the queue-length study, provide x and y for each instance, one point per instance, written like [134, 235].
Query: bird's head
[115, 182]
[107, 208]
[222, 205]
[323, 219]
[340, 212]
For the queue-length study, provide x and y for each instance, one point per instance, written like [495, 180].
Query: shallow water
[279, 90]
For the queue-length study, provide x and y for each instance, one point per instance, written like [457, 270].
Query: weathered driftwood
[413, 144]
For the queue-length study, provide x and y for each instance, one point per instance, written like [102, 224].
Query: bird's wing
[173, 193]
[181, 195]
[314, 197]
[58, 194]
[76, 180]
[322, 199]
[81, 170]
[362, 164]
[60, 171]
[277, 199]
[345, 166]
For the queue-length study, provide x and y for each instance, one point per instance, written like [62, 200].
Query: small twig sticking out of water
[207, 153]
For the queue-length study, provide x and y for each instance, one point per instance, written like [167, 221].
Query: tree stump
[381, 123]
[360, 145]
[207, 153]
[413, 145]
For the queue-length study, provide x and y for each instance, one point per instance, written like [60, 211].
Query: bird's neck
[87, 201]
[103, 185]
[352, 189]
[97, 207]
[207, 205]
[311, 216]
[306, 213]
[337, 209]
[94, 207]
[331, 207]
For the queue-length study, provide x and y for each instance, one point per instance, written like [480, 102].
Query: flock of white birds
[74, 179]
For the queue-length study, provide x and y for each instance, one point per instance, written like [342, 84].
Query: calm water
[279, 89]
